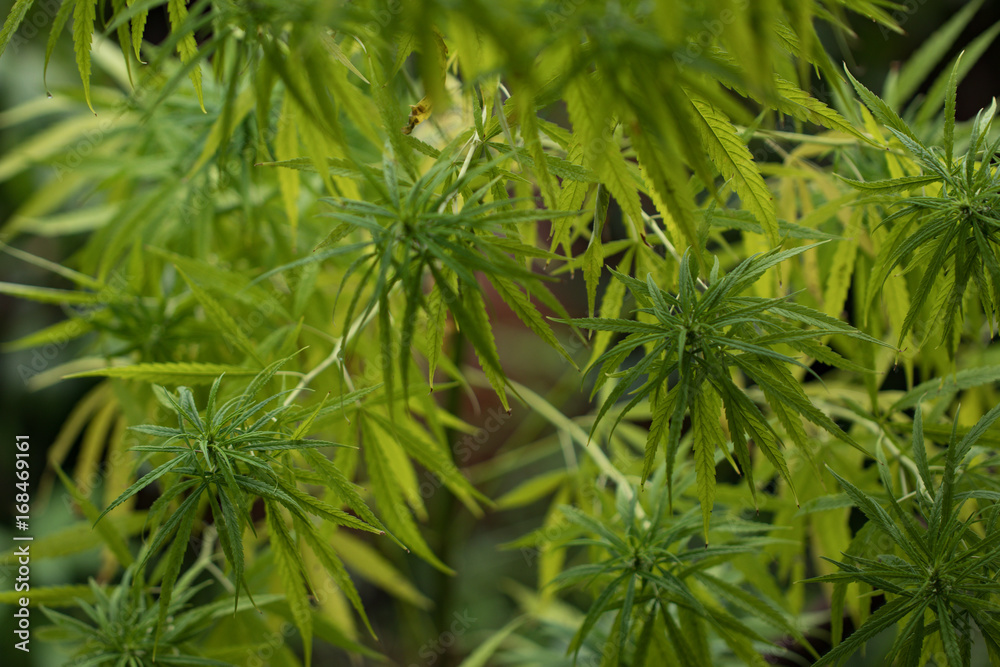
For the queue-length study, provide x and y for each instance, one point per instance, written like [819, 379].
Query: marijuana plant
[955, 223]
[943, 564]
[123, 629]
[229, 458]
[649, 570]
[300, 272]
[699, 334]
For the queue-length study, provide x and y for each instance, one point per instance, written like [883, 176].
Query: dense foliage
[305, 239]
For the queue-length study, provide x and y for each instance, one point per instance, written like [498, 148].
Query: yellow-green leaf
[730, 154]
[187, 46]
[84, 14]
[286, 147]
[180, 373]
[707, 436]
[108, 531]
[290, 568]
[223, 321]
[50, 596]
[13, 21]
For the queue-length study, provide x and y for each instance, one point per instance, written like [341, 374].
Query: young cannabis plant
[958, 222]
[652, 572]
[941, 574]
[441, 224]
[152, 328]
[122, 627]
[700, 336]
[230, 457]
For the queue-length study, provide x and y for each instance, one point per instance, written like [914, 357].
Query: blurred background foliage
[492, 584]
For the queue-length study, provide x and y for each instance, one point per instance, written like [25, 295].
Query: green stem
[445, 510]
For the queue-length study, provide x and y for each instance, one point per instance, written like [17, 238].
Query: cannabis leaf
[957, 224]
[443, 226]
[120, 625]
[699, 335]
[228, 457]
[648, 565]
[944, 560]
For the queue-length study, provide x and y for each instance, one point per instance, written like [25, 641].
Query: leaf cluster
[653, 574]
[939, 576]
[954, 222]
[229, 457]
[122, 628]
[697, 336]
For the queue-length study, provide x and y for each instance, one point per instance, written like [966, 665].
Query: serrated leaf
[290, 569]
[948, 384]
[389, 498]
[328, 557]
[731, 155]
[220, 317]
[761, 608]
[13, 22]
[138, 25]
[668, 187]
[892, 185]
[707, 435]
[540, 159]
[142, 483]
[593, 257]
[521, 304]
[475, 323]
[84, 14]
[187, 46]
[437, 319]
[794, 101]
[173, 560]
[58, 25]
[881, 110]
[180, 373]
[603, 155]
[887, 615]
[838, 278]
[436, 459]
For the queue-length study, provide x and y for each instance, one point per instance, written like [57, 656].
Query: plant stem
[358, 324]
